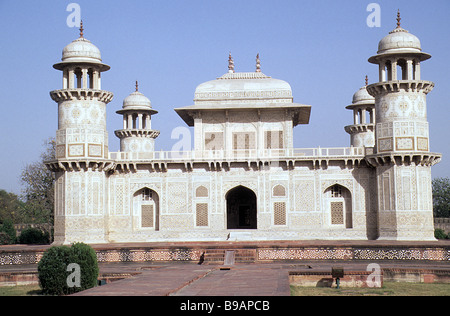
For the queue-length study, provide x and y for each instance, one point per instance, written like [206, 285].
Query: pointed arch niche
[146, 207]
[338, 202]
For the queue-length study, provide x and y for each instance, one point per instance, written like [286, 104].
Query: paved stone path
[190, 279]
[199, 280]
[152, 281]
[241, 280]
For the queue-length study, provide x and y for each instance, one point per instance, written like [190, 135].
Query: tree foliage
[35, 206]
[8, 233]
[38, 191]
[11, 207]
[441, 197]
[34, 236]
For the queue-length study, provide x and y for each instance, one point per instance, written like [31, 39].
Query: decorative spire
[258, 63]
[367, 81]
[81, 29]
[230, 64]
[398, 18]
[137, 86]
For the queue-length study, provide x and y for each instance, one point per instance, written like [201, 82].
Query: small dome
[136, 101]
[81, 49]
[399, 40]
[361, 97]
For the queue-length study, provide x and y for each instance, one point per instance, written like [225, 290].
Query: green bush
[8, 228]
[54, 274]
[5, 239]
[52, 271]
[86, 257]
[34, 236]
[439, 234]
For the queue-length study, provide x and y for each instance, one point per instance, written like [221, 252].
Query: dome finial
[398, 18]
[230, 64]
[258, 63]
[137, 86]
[367, 81]
[81, 29]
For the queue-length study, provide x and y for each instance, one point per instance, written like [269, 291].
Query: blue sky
[320, 47]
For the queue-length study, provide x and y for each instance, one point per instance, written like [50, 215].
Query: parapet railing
[239, 154]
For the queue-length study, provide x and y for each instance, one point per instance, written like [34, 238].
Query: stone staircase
[229, 257]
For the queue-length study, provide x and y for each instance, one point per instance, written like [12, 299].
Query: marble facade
[243, 179]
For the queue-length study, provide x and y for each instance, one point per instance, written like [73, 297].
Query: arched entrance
[241, 208]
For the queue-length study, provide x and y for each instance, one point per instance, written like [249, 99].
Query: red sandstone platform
[250, 280]
[247, 251]
[258, 268]
[258, 244]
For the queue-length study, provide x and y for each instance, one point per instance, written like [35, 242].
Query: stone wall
[442, 223]
[43, 227]
[258, 252]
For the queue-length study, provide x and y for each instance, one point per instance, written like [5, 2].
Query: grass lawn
[20, 290]
[388, 289]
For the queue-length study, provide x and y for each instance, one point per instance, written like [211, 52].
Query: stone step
[229, 258]
[238, 255]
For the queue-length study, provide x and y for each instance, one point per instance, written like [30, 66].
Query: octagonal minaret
[137, 134]
[81, 102]
[400, 94]
[362, 130]
[402, 149]
[81, 159]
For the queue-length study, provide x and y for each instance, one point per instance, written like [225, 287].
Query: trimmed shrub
[56, 276]
[86, 257]
[34, 236]
[439, 234]
[52, 271]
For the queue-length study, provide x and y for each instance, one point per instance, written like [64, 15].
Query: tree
[441, 197]
[38, 191]
[8, 232]
[10, 207]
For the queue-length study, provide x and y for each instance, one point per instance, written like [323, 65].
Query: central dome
[241, 86]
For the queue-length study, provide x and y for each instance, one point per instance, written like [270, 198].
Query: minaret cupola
[82, 132]
[137, 134]
[362, 129]
[81, 64]
[400, 94]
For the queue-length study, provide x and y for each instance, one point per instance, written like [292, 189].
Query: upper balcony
[81, 94]
[217, 158]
